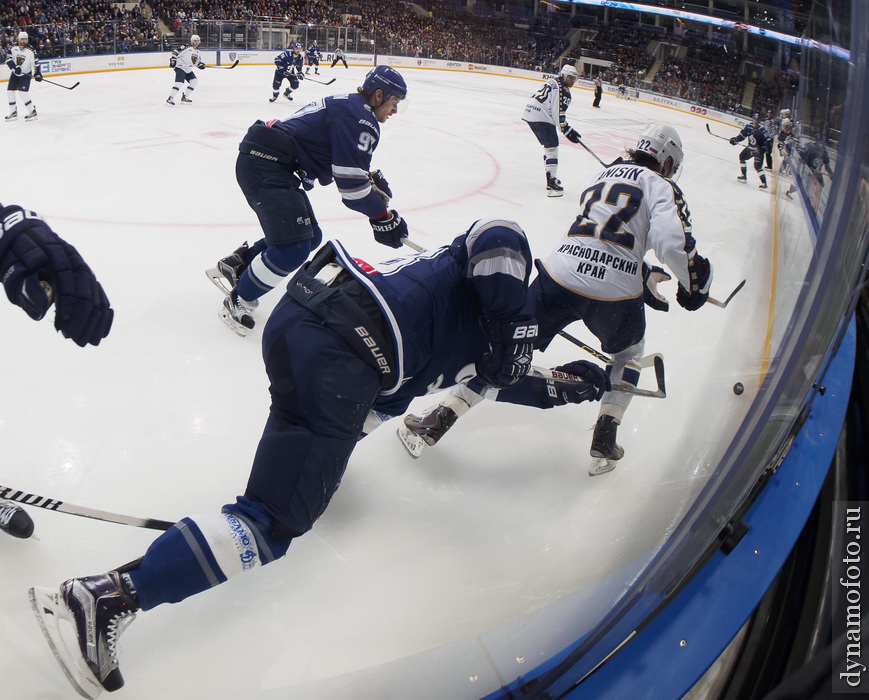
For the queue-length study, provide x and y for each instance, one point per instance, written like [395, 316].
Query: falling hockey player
[596, 274]
[348, 343]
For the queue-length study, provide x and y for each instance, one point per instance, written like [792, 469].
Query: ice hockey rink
[442, 577]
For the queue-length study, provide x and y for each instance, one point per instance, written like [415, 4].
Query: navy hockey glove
[651, 277]
[173, 62]
[734, 140]
[38, 267]
[200, 65]
[301, 75]
[700, 270]
[380, 185]
[510, 347]
[572, 135]
[17, 70]
[38, 77]
[596, 378]
[389, 229]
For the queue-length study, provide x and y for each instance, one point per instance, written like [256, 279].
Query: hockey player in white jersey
[22, 62]
[184, 60]
[546, 114]
[596, 274]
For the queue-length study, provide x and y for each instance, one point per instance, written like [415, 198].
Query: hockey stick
[31, 499]
[567, 378]
[320, 82]
[643, 362]
[65, 87]
[724, 303]
[716, 135]
[225, 67]
[593, 154]
[410, 244]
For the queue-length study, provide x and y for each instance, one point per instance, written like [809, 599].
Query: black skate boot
[237, 314]
[228, 271]
[417, 432]
[604, 449]
[553, 186]
[99, 609]
[32, 117]
[15, 520]
[288, 95]
[273, 98]
[186, 100]
[14, 115]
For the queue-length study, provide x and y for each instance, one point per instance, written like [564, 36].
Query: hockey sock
[269, 269]
[203, 551]
[550, 160]
[624, 369]
[11, 97]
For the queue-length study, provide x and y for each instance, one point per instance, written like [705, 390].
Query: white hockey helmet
[784, 113]
[568, 70]
[662, 141]
[23, 35]
[786, 122]
[195, 37]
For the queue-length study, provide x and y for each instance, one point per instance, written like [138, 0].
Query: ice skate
[31, 117]
[763, 186]
[186, 100]
[228, 271]
[15, 520]
[604, 450]
[10, 117]
[170, 102]
[288, 95]
[553, 186]
[417, 432]
[742, 178]
[273, 99]
[98, 610]
[236, 314]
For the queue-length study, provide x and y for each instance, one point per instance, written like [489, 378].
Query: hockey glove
[380, 185]
[572, 135]
[510, 347]
[17, 70]
[38, 267]
[651, 277]
[301, 75]
[734, 140]
[598, 382]
[200, 65]
[38, 77]
[389, 229]
[173, 62]
[700, 270]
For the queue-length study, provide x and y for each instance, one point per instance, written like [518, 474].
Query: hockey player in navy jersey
[755, 147]
[184, 59]
[348, 342]
[288, 66]
[597, 274]
[39, 269]
[313, 54]
[546, 115]
[330, 139]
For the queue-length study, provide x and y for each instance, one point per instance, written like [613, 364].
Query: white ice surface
[443, 577]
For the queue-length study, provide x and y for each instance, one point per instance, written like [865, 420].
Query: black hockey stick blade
[320, 82]
[723, 304]
[32, 499]
[225, 67]
[65, 87]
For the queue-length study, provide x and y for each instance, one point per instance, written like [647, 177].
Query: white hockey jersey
[628, 211]
[25, 58]
[187, 58]
[549, 104]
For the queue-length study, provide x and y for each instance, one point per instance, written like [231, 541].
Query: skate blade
[601, 465]
[219, 280]
[554, 193]
[49, 610]
[234, 325]
[412, 443]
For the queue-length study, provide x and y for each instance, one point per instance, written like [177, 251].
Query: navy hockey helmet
[387, 79]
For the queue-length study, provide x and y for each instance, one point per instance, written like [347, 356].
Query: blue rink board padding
[670, 655]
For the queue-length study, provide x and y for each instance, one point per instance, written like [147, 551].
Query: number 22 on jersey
[622, 201]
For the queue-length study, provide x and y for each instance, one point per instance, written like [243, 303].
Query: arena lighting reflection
[719, 22]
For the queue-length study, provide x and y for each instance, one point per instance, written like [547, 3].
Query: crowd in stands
[702, 72]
